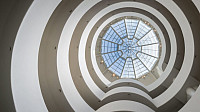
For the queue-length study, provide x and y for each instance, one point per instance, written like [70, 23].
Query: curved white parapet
[128, 81]
[197, 4]
[96, 35]
[189, 54]
[124, 105]
[24, 64]
[64, 73]
[125, 89]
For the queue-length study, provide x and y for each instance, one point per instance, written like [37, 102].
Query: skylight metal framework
[130, 48]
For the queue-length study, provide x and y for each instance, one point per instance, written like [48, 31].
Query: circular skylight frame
[124, 68]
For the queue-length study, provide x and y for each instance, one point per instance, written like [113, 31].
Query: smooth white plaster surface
[24, 64]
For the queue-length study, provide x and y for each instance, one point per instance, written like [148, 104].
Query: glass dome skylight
[130, 48]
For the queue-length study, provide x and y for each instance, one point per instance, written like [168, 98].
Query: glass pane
[128, 71]
[140, 69]
[117, 67]
[150, 38]
[131, 26]
[120, 28]
[142, 29]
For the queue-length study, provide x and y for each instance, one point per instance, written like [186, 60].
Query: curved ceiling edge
[189, 54]
[24, 63]
[63, 54]
[124, 105]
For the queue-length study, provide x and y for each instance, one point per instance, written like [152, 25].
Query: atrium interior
[100, 56]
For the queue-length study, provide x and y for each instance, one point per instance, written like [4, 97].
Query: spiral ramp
[48, 58]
